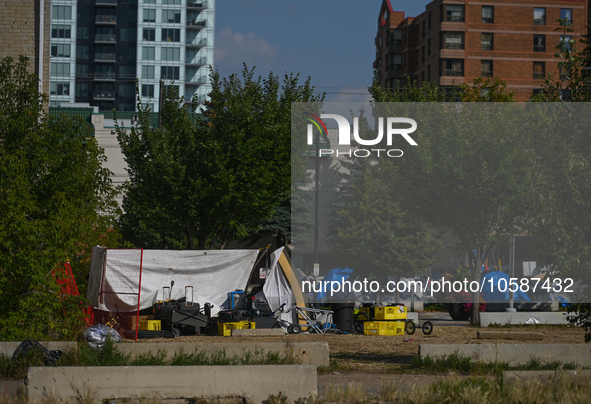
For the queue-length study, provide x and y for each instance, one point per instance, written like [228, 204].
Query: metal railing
[454, 73]
[197, 4]
[202, 61]
[105, 76]
[197, 24]
[108, 19]
[106, 2]
[104, 57]
[202, 42]
[104, 38]
[197, 80]
[102, 95]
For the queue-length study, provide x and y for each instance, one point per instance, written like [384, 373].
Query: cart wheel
[176, 332]
[358, 322]
[294, 329]
[409, 327]
[427, 328]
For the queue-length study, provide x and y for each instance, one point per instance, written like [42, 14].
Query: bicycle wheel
[359, 321]
[409, 327]
[427, 328]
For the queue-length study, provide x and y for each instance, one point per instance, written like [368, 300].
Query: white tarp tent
[212, 273]
[277, 289]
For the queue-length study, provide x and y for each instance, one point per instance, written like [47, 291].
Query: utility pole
[316, 205]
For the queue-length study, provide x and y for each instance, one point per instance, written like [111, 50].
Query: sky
[332, 41]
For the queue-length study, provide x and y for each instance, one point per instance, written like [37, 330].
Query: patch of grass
[457, 362]
[334, 365]
[110, 355]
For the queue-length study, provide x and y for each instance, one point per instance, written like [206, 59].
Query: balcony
[106, 76]
[450, 45]
[196, 5]
[196, 24]
[453, 73]
[105, 19]
[197, 81]
[202, 43]
[104, 57]
[102, 38]
[104, 95]
[198, 62]
[106, 2]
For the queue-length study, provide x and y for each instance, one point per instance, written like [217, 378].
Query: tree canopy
[201, 182]
[56, 201]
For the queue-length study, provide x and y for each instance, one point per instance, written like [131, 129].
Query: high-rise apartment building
[100, 47]
[455, 41]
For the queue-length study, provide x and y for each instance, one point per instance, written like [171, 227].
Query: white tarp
[277, 289]
[212, 273]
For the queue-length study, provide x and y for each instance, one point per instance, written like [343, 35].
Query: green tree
[560, 173]
[203, 182]
[466, 173]
[54, 197]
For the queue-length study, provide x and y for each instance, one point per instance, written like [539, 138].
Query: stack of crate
[389, 320]
[225, 329]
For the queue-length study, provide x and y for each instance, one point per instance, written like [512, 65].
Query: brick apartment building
[25, 31]
[454, 41]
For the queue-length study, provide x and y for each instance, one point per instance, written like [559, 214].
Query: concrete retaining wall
[513, 353]
[306, 353]
[521, 317]
[253, 382]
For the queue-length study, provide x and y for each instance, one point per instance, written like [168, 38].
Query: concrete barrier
[542, 376]
[520, 317]
[306, 353]
[254, 383]
[513, 353]
[8, 347]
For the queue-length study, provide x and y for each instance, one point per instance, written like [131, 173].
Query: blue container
[236, 300]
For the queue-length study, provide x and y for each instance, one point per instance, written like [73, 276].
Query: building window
[171, 89]
[81, 90]
[127, 72]
[81, 70]
[563, 72]
[59, 88]
[429, 46]
[453, 13]
[486, 68]
[149, 34]
[148, 53]
[566, 14]
[147, 72]
[429, 20]
[424, 29]
[61, 13]
[171, 1]
[539, 70]
[393, 83]
[423, 56]
[147, 90]
[171, 35]
[60, 31]
[170, 72]
[452, 67]
[60, 70]
[486, 42]
[60, 50]
[83, 32]
[170, 54]
[453, 40]
[171, 16]
[565, 42]
[126, 90]
[149, 15]
[82, 52]
[394, 37]
[394, 61]
[565, 95]
[539, 16]
[539, 43]
[488, 14]
[537, 91]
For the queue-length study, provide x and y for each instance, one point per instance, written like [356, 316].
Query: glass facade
[100, 47]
